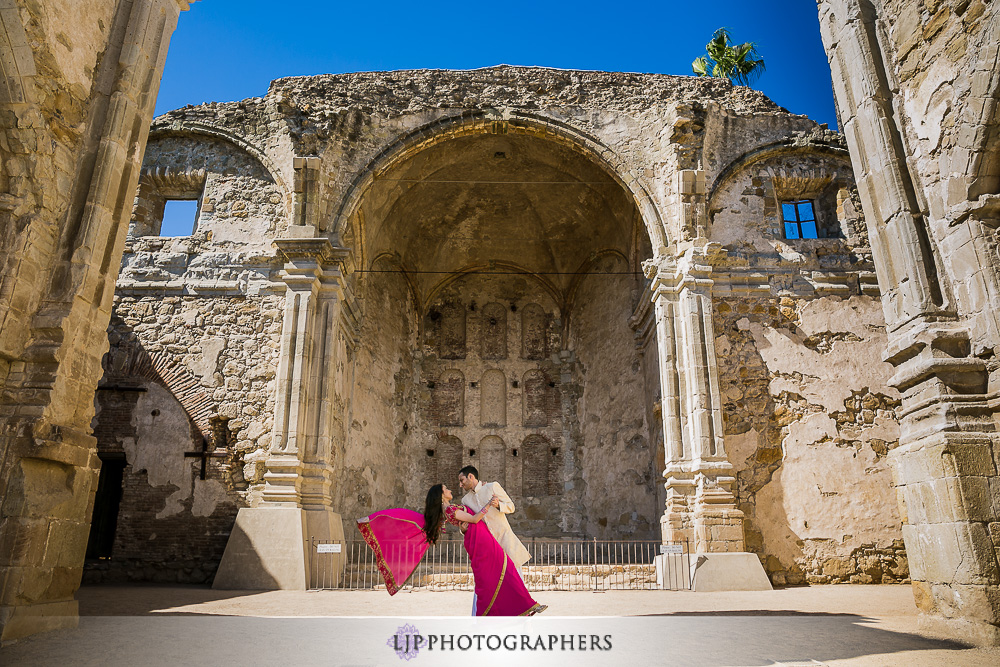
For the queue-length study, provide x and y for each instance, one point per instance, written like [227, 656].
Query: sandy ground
[831, 625]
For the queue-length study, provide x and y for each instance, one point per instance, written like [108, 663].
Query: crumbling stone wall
[172, 525]
[807, 411]
[229, 349]
[808, 422]
[226, 337]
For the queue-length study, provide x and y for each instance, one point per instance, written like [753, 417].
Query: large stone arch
[513, 122]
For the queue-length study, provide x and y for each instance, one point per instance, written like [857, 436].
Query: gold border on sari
[372, 541]
[535, 609]
[503, 573]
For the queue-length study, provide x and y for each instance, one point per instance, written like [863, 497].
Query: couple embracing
[400, 537]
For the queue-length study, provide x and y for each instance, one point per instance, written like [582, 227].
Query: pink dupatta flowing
[397, 538]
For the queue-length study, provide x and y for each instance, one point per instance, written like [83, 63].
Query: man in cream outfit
[479, 495]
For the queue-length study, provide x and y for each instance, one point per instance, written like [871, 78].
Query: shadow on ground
[149, 599]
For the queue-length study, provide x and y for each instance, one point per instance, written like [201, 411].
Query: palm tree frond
[740, 63]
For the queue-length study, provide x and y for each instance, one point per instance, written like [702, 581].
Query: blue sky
[231, 49]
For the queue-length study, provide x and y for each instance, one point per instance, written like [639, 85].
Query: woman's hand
[465, 517]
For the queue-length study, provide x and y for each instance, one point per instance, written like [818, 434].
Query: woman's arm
[462, 515]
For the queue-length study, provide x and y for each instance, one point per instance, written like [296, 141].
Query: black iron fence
[555, 565]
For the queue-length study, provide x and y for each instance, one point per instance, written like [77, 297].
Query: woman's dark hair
[433, 513]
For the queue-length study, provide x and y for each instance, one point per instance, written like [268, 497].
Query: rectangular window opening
[180, 217]
[800, 219]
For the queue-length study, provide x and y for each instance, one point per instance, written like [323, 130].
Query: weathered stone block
[951, 553]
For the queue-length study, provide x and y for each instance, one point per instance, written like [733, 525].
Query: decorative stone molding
[173, 182]
[158, 185]
[315, 294]
[799, 183]
[700, 505]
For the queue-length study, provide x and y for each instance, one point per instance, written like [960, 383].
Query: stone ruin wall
[619, 450]
[808, 416]
[202, 302]
[780, 433]
[496, 379]
[376, 464]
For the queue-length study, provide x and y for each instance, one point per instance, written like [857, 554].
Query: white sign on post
[328, 548]
[671, 548]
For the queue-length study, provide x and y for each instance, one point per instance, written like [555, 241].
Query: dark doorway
[106, 503]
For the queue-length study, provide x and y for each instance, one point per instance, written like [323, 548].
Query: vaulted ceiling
[509, 199]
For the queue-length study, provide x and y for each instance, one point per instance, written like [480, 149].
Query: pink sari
[397, 538]
[499, 588]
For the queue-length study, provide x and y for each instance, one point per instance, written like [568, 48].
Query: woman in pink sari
[400, 537]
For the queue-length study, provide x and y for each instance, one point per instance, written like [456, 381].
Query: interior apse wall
[371, 473]
[492, 391]
[618, 451]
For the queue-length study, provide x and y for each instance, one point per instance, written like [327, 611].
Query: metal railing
[555, 565]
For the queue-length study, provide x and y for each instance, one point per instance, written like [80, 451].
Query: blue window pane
[809, 229]
[791, 231]
[179, 217]
[788, 211]
[806, 211]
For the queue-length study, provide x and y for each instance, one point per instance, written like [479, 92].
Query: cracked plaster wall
[809, 420]
[172, 525]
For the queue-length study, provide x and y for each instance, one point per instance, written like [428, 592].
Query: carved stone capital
[688, 266]
[312, 263]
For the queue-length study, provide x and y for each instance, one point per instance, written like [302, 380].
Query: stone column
[77, 155]
[701, 506]
[269, 547]
[945, 467]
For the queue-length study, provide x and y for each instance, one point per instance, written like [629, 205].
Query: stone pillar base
[18, 622]
[740, 571]
[977, 633]
[269, 548]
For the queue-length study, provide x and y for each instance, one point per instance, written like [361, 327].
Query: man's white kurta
[496, 519]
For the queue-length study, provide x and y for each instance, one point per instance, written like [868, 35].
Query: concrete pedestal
[269, 548]
[739, 571]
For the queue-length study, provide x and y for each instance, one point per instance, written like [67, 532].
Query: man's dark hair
[469, 470]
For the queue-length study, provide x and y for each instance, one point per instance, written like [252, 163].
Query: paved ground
[831, 625]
